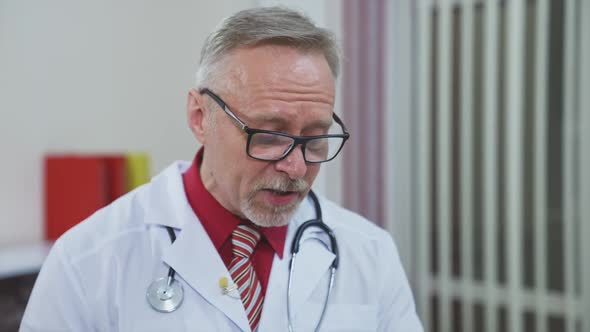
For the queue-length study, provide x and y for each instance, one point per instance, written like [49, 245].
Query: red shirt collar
[218, 222]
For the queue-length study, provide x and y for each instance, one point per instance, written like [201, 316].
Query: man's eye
[317, 145]
[269, 139]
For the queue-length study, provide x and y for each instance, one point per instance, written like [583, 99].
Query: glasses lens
[322, 149]
[269, 146]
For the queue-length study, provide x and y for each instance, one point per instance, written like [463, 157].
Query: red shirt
[219, 223]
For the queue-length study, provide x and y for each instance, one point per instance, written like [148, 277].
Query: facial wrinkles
[301, 76]
[301, 63]
[255, 84]
[233, 82]
[296, 95]
[307, 87]
[289, 99]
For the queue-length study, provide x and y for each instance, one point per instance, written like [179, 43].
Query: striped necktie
[244, 240]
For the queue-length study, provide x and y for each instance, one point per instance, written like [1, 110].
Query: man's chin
[266, 208]
[271, 216]
[269, 223]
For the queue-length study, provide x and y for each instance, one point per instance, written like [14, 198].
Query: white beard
[269, 216]
[265, 215]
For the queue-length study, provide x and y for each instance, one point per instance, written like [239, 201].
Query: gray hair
[272, 25]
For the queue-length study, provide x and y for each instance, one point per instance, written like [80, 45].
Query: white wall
[92, 76]
[104, 76]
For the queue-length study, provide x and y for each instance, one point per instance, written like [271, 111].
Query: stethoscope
[166, 294]
[318, 223]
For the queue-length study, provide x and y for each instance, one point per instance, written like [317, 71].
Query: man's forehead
[273, 64]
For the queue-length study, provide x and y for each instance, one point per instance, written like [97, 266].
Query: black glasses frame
[298, 140]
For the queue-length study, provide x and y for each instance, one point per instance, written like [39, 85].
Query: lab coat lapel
[313, 260]
[196, 260]
[193, 256]
[312, 264]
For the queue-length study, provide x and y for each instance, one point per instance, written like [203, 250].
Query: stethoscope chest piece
[164, 296]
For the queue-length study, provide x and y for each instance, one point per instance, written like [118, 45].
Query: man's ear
[195, 115]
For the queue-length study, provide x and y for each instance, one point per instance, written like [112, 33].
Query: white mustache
[282, 184]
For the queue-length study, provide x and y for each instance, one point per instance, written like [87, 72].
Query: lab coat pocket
[339, 317]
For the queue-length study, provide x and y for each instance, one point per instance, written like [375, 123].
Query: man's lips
[279, 197]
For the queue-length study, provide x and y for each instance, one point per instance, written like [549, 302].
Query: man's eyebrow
[322, 124]
[269, 118]
[272, 119]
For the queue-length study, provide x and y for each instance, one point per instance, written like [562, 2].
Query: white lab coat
[96, 276]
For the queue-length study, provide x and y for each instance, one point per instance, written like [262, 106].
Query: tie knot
[244, 240]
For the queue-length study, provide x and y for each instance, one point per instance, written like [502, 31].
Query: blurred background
[470, 123]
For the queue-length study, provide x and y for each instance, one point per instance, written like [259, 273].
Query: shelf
[23, 259]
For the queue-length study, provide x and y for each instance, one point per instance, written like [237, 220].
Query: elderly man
[211, 245]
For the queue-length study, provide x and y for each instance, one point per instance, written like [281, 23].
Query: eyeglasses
[270, 145]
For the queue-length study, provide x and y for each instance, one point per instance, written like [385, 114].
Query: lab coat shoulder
[108, 227]
[351, 223]
[359, 233]
[82, 269]
[118, 227]
[375, 257]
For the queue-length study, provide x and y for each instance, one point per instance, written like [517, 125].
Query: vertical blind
[498, 142]
[499, 183]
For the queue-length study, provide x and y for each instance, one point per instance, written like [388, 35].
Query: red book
[75, 187]
[115, 177]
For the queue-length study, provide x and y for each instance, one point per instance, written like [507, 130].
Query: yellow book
[138, 169]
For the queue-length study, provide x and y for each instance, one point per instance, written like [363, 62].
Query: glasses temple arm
[224, 107]
[339, 121]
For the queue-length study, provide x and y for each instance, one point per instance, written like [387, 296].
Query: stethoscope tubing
[328, 293]
[319, 223]
[171, 271]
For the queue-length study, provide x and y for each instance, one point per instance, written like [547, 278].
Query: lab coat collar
[197, 262]
[193, 256]
[166, 202]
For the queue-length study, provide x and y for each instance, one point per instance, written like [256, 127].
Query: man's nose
[293, 165]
